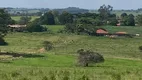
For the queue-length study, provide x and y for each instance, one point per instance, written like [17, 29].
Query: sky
[86, 4]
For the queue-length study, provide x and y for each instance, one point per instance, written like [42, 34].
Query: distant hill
[40, 11]
[36, 11]
[72, 10]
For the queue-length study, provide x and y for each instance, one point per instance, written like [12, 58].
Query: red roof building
[101, 31]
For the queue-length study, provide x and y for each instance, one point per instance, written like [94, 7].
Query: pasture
[123, 60]
[17, 18]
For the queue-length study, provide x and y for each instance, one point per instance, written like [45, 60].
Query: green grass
[17, 18]
[54, 28]
[128, 29]
[123, 60]
[62, 67]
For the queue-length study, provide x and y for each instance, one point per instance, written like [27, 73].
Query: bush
[86, 57]
[140, 48]
[47, 45]
[36, 28]
[2, 42]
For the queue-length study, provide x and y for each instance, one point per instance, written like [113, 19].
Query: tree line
[86, 22]
[79, 23]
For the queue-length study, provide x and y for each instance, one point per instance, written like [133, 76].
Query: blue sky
[87, 4]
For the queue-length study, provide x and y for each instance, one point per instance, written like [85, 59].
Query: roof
[121, 32]
[17, 26]
[101, 31]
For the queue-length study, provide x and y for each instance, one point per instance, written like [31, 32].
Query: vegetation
[24, 20]
[35, 27]
[17, 18]
[47, 45]
[61, 62]
[23, 58]
[47, 19]
[140, 48]
[4, 21]
[87, 57]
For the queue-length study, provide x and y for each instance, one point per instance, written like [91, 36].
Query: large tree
[105, 12]
[65, 18]
[127, 20]
[5, 19]
[47, 19]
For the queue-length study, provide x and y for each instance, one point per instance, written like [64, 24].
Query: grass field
[123, 60]
[17, 18]
[128, 29]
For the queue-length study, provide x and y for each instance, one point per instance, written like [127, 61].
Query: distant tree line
[82, 22]
[87, 23]
[40, 11]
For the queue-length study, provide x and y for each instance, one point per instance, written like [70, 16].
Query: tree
[87, 57]
[65, 18]
[5, 19]
[56, 16]
[35, 26]
[139, 19]
[127, 20]
[131, 20]
[85, 20]
[123, 15]
[104, 12]
[112, 20]
[24, 20]
[47, 19]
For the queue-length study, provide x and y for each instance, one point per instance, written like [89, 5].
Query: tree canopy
[5, 19]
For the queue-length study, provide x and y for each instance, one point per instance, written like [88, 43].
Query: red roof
[121, 32]
[101, 31]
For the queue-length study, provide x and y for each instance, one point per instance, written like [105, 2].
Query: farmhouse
[18, 28]
[101, 32]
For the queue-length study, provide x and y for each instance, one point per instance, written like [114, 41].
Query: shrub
[47, 45]
[2, 42]
[36, 28]
[140, 48]
[86, 57]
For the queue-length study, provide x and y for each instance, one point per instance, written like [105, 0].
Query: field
[17, 18]
[123, 60]
[128, 29]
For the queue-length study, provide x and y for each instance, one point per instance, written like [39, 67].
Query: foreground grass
[62, 67]
[123, 60]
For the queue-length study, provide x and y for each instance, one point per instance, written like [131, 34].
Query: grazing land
[123, 60]
[17, 18]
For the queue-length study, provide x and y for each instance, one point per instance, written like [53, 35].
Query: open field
[54, 28]
[17, 18]
[128, 29]
[123, 60]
